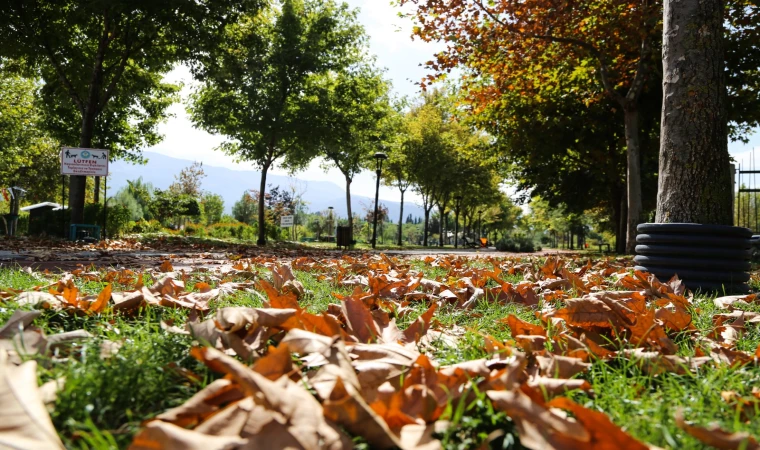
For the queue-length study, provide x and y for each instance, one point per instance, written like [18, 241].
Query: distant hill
[231, 184]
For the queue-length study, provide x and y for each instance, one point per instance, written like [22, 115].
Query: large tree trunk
[401, 220]
[78, 184]
[348, 207]
[262, 240]
[694, 183]
[633, 176]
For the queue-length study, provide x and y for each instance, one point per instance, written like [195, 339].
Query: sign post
[86, 162]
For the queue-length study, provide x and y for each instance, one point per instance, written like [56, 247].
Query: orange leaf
[604, 433]
[103, 298]
[166, 266]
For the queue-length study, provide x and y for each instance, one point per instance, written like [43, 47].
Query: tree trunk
[425, 232]
[694, 183]
[262, 240]
[348, 208]
[78, 184]
[620, 219]
[441, 226]
[633, 176]
[401, 220]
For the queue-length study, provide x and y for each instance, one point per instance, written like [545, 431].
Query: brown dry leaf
[278, 299]
[344, 406]
[17, 323]
[360, 321]
[103, 298]
[166, 267]
[420, 437]
[539, 427]
[419, 327]
[25, 422]
[716, 437]
[561, 366]
[201, 405]
[729, 301]
[36, 299]
[294, 415]
[276, 363]
[518, 326]
[605, 435]
[162, 435]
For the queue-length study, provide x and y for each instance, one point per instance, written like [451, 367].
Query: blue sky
[390, 41]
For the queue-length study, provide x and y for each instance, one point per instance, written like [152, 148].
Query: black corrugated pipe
[714, 258]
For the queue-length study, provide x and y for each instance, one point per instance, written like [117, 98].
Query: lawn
[368, 351]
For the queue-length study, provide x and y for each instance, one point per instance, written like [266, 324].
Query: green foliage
[244, 210]
[118, 217]
[232, 230]
[29, 156]
[516, 244]
[213, 207]
[268, 63]
[125, 198]
[170, 206]
[144, 226]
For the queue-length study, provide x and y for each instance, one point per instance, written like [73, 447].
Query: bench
[602, 244]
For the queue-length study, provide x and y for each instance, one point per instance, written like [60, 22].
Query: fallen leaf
[25, 422]
[717, 437]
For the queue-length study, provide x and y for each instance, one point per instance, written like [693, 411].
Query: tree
[695, 179]
[172, 207]
[396, 167]
[258, 89]
[429, 145]
[611, 40]
[213, 207]
[244, 210]
[611, 47]
[29, 156]
[106, 56]
[352, 109]
[143, 194]
[189, 180]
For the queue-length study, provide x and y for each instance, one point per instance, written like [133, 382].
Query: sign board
[286, 221]
[87, 162]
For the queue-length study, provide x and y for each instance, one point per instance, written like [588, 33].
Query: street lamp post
[330, 225]
[379, 157]
[480, 225]
[457, 203]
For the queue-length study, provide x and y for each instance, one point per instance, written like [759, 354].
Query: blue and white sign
[87, 162]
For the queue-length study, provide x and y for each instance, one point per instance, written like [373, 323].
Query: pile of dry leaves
[352, 371]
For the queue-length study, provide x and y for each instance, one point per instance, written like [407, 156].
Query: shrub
[516, 244]
[144, 226]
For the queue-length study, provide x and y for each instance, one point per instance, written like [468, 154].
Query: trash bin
[343, 237]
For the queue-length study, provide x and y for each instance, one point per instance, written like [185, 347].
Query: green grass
[104, 401]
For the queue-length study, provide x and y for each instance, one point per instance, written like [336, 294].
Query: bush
[234, 230]
[144, 226]
[118, 218]
[516, 244]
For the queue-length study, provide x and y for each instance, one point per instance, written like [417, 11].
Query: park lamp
[379, 158]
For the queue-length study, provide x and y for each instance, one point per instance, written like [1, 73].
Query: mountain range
[231, 184]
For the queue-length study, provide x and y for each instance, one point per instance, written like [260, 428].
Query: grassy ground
[104, 401]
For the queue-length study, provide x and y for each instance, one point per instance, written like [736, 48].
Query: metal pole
[63, 204]
[105, 207]
[456, 228]
[377, 197]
